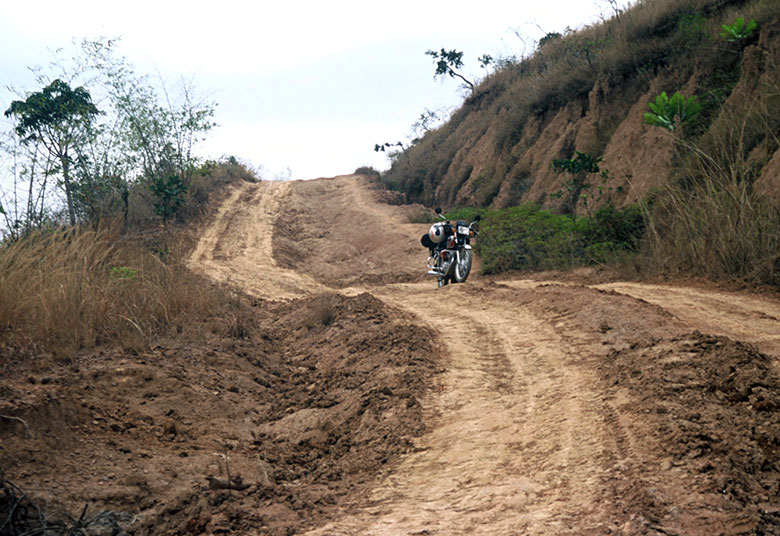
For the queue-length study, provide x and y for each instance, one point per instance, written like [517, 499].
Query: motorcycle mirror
[437, 210]
[478, 217]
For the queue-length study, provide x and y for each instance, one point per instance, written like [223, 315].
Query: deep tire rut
[521, 440]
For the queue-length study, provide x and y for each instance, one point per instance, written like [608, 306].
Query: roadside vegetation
[67, 288]
[528, 237]
[714, 134]
[95, 230]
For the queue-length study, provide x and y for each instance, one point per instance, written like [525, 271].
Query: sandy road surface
[237, 248]
[537, 421]
[508, 389]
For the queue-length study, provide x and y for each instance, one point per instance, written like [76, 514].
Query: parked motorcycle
[450, 249]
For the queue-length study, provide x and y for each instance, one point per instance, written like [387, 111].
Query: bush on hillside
[368, 171]
[531, 238]
[66, 289]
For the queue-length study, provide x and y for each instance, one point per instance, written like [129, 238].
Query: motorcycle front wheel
[463, 266]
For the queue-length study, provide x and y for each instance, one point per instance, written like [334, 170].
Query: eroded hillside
[587, 91]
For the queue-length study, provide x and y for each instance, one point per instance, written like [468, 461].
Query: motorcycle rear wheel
[463, 266]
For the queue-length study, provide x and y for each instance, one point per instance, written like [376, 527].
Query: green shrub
[368, 171]
[528, 237]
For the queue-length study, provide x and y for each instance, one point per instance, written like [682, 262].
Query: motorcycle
[450, 249]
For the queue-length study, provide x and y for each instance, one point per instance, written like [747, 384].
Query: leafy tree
[579, 168]
[485, 60]
[548, 38]
[739, 31]
[672, 113]
[169, 192]
[158, 132]
[59, 117]
[446, 62]
[142, 132]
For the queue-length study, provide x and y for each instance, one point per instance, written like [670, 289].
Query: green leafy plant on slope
[170, 195]
[672, 113]
[739, 31]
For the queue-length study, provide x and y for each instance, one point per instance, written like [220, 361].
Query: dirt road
[562, 409]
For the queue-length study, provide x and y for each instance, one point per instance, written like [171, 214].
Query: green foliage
[59, 117]
[581, 163]
[170, 195]
[123, 273]
[671, 113]
[738, 31]
[485, 60]
[528, 237]
[142, 132]
[446, 62]
[369, 171]
[613, 231]
[548, 38]
[525, 237]
[53, 115]
[579, 168]
[463, 213]
[693, 29]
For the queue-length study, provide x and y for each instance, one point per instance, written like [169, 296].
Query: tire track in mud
[521, 443]
[520, 440]
[237, 246]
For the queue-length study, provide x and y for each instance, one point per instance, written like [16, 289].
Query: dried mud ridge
[348, 396]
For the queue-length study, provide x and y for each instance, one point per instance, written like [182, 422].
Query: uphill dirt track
[562, 408]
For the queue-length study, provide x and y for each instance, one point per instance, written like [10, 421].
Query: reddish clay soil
[353, 397]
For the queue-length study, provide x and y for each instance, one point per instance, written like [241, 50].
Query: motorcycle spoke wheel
[462, 267]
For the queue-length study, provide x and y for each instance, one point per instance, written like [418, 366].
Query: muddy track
[521, 443]
[537, 424]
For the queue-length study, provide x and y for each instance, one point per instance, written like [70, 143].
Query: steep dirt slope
[545, 422]
[588, 90]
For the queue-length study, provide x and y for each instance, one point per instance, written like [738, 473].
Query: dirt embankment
[352, 397]
[263, 429]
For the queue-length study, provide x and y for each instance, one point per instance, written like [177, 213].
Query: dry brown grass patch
[66, 290]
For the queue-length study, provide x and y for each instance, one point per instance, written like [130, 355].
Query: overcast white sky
[309, 86]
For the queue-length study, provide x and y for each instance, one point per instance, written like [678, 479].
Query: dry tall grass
[713, 221]
[66, 290]
[719, 230]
